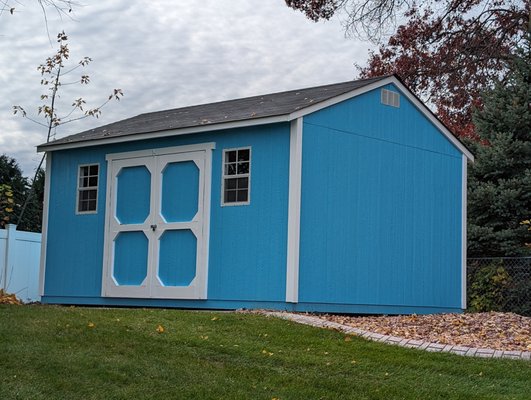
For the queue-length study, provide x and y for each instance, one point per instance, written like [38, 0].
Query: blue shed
[345, 198]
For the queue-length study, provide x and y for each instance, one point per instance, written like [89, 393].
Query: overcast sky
[164, 54]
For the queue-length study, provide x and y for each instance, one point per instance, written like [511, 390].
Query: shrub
[487, 288]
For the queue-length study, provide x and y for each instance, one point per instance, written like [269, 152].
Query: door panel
[179, 223]
[129, 227]
[133, 194]
[177, 258]
[180, 191]
[130, 258]
[157, 232]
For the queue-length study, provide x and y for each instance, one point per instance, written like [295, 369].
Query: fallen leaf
[160, 329]
[495, 330]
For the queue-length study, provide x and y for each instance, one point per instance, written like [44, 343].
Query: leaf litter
[495, 330]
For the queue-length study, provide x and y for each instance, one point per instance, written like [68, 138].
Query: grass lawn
[51, 352]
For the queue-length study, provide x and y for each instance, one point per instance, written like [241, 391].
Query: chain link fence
[499, 284]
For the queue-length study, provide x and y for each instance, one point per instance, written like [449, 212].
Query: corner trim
[463, 230]
[294, 211]
[45, 210]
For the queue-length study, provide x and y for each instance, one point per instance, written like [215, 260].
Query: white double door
[157, 223]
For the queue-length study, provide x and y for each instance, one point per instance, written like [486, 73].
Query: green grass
[51, 353]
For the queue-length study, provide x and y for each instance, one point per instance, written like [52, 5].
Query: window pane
[83, 195]
[243, 168]
[243, 183]
[230, 183]
[243, 155]
[82, 205]
[93, 181]
[230, 196]
[230, 169]
[242, 195]
[93, 170]
[84, 171]
[91, 205]
[230, 156]
[92, 194]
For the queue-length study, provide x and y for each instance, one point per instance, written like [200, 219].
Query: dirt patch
[495, 330]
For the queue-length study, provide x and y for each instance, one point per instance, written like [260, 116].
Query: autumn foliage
[447, 51]
[451, 61]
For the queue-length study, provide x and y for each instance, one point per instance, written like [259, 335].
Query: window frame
[247, 175]
[79, 189]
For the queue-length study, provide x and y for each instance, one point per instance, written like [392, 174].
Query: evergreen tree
[11, 175]
[499, 181]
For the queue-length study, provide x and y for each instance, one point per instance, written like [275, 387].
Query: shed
[347, 198]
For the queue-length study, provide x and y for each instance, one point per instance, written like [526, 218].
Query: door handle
[153, 227]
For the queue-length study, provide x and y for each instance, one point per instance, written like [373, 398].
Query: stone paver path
[415, 344]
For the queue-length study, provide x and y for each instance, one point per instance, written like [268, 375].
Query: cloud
[166, 55]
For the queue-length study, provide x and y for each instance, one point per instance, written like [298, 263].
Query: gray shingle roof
[269, 105]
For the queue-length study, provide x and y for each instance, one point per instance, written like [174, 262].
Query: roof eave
[275, 119]
[164, 133]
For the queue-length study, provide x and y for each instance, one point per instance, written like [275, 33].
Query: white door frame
[201, 154]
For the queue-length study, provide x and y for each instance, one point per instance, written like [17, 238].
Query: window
[236, 176]
[390, 98]
[87, 188]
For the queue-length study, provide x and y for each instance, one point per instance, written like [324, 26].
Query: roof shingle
[248, 108]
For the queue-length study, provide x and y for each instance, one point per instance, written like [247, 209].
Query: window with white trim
[87, 188]
[236, 176]
[390, 98]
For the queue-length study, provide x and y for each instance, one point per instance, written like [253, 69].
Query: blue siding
[380, 217]
[247, 243]
[381, 208]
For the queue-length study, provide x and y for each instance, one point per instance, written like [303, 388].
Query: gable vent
[390, 98]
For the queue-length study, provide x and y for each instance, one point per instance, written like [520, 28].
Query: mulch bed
[494, 330]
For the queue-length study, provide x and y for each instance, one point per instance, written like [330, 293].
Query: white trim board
[161, 151]
[463, 230]
[45, 209]
[275, 119]
[167, 133]
[294, 211]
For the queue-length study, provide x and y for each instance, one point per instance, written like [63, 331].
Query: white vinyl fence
[20, 254]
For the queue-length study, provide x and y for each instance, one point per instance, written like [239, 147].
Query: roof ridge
[258, 107]
[374, 79]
